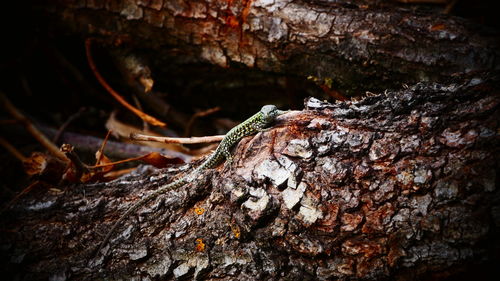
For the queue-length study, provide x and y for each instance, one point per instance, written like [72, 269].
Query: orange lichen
[199, 211]
[235, 20]
[200, 246]
[246, 10]
[236, 230]
[436, 27]
[232, 21]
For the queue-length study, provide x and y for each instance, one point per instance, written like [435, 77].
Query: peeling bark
[397, 185]
[358, 46]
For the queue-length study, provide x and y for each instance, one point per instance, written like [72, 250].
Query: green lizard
[256, 123]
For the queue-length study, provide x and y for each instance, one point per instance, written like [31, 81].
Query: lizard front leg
[258, 127]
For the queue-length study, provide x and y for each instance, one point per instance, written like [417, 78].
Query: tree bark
[402, 185]
[358, 46]
[399, 185]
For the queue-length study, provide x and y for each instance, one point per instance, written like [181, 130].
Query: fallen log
[400, 185]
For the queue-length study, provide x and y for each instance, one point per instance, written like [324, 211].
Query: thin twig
[9, 122]
[66, 124]
[100, 152]
[25, 85]
[10, 148]
[145, 125]
[117, 162]
[150, 119]
[24, 191]
[191, 140]
[80, 167]
[113, 148]
[124, 130]
[196, 116]
[50, 146]
[450, 6]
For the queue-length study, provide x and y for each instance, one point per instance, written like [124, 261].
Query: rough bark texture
[401, 185]
[396, 186]
[358, 46]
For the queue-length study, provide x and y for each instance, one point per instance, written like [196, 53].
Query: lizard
[258, 122]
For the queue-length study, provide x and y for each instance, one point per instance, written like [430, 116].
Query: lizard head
[270, 112]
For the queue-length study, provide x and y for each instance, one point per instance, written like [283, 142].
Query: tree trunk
[398, 185]
[358, 46]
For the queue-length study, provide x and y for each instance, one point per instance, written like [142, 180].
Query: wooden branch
[44, 141]
[147, 118]
[359, 47]
[10, 148]
[192, 140]
[189, 126]
[396, 186]
[113, 149]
